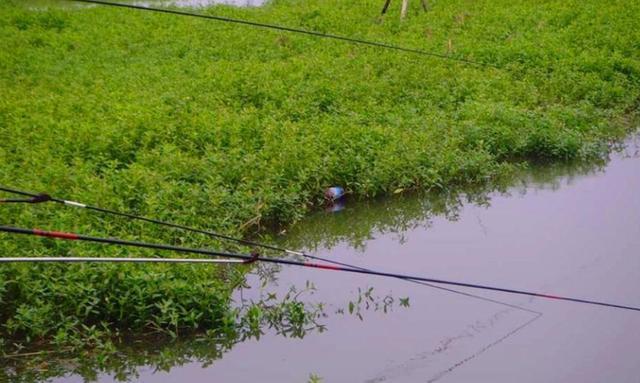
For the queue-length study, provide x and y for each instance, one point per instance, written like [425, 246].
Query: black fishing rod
[116, 260]
[287, 29]
[256, 257]
[43, 197]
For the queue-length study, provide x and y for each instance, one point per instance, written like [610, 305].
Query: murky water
[154, 3]
[200, 3]
[568, 230]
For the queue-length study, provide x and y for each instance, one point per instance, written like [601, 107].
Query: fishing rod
[256, 257]
[115, 260]
[43, 197]
[288, 29]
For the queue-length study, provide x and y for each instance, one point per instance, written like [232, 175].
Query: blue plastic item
[334, 193]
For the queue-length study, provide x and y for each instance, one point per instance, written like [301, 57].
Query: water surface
[153, 3]
[199, 3]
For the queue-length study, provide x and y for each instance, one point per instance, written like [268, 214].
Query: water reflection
[289, 316]
[124, 365]
[199, 3]
[151, 3]
[257, 311]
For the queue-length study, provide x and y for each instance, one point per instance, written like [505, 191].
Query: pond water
[199, 3]
[153, 3]
[566, 230]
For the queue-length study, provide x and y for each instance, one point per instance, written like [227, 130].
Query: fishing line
[484, 349]
[289, 29]
[39, 198]
[256, 257]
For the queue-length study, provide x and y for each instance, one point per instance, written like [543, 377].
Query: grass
[231, 128]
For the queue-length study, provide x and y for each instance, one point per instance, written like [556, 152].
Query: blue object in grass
[334, 193]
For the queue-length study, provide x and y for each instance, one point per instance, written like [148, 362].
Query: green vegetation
[230, 128]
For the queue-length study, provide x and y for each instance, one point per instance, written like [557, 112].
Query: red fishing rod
[256, 257]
